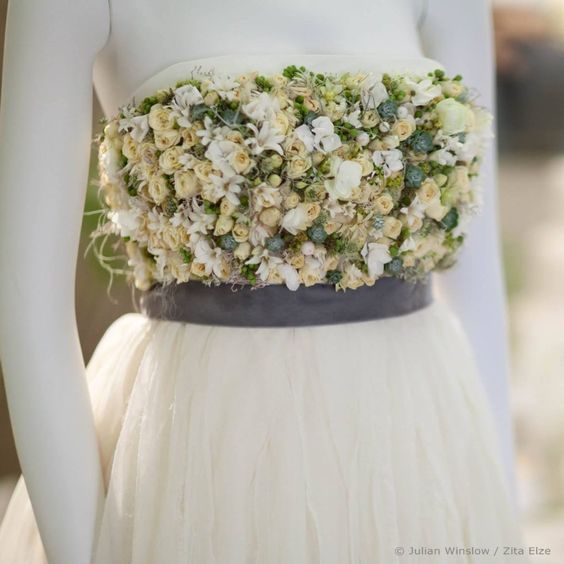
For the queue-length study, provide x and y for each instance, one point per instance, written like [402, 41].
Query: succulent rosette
[297, 178]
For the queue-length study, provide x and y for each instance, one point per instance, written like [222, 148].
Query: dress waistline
[276, 306]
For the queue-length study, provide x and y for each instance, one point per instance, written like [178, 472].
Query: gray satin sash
[276, 306]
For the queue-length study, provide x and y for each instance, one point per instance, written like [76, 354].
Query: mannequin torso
[39, 346]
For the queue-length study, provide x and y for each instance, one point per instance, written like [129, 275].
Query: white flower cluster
[296, 178]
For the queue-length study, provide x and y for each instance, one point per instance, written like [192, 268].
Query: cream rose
[190, 138]
[240, 161]
[452, 88]
[240, 232]
[281, 122]
[436, 210]
[160, 118]
[428, 191]
[392, 227]
[297, 260]
[130, 148]
[391, 142]
[292, 200]
[403, 128]
[166, 138]
[296, 147]
[370, 118]
[313, 209]
[365, 161]
[148, 155]
[235, 137]
[169, 160]
[270, 216]
[352, 278]
[203, 170]
[384, 204]
[311, 273]
[298, 166]
[223, 225]
[227, 207]
[312, 105]
[171, 237]
[211, 98]
[459, 179]
[243, 251]
[157, 188]
[186, 184]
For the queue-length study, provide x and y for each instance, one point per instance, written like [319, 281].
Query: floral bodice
[297, 178]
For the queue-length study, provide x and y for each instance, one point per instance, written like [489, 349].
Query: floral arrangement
[295, 178]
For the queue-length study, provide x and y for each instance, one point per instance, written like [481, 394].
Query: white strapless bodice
[272, 64]
[147, 36]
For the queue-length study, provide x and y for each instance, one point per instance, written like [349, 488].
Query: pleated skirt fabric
[337, 444]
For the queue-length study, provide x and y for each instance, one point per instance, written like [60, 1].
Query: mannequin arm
[458, 33]
[45, 131]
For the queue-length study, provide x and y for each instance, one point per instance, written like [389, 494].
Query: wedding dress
[359, 440]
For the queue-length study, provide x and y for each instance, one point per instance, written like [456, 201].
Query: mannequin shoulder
[420, 8]
[79, 23]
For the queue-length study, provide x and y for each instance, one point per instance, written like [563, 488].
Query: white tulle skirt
[332, 445]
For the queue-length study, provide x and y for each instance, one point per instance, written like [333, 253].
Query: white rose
[289, 275]
[311, 273]
[373, 92]
[296, 219]
[454, 116]
[348, 176]
[376, 255]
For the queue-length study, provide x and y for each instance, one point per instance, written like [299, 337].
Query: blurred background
[530, 68]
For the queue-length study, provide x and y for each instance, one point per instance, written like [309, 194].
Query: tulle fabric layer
[332, 445]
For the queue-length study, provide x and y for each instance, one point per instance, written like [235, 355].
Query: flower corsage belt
[243, 192]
